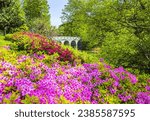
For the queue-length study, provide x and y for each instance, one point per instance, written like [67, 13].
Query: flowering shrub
[32, 43]
[30, 80]
[35, 74]
[82, 56]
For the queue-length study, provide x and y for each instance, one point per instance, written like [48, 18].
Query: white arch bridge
[75, 42]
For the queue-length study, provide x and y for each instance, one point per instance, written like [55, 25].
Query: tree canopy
[37, 15]
[11, 15]
[119, 27]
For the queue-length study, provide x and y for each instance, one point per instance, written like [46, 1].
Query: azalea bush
[31, 43]
[82, 56]
[31, 81]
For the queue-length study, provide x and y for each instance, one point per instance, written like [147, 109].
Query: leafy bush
[3, 42]
[119, 50]
[30, 80]
[22, 28]
[33, 43]
[82, 56]
[127, 50]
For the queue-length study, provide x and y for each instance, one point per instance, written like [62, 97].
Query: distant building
[75, 42]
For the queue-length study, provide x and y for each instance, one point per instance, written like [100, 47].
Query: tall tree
[37, 15]
[119, 27]
[76, 17]
[11, 15]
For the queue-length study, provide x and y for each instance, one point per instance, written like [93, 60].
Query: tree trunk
[5, 31]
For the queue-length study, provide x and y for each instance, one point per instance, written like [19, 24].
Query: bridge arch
[66, 42]
[73, 44]
[79, 45]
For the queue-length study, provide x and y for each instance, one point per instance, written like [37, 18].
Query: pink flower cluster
[77, 84]
[41, 43]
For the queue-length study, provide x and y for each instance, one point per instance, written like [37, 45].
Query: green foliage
[41, 26]
[30, 100]
[22, 28]
[33, 43]
[8, 37]
[143, 78]
[111, 99]
[119, 49]
[120, 28]
[127, 43]
[82, 56]
[63, 100]
[37, 16]
[23, 41]
[8, 55]
[110, 94]
[12, 99]
[1, 37]
[75, 20]
[11, 14]
[20, 41]
[3, 42]
[50, 59]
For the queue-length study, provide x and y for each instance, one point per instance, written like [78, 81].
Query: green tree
[11, 15]
[128, 24]
[37, 15]
[119, 27]
[75, 20]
